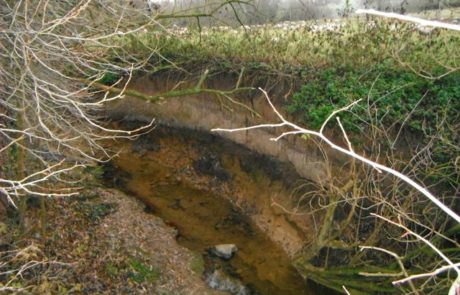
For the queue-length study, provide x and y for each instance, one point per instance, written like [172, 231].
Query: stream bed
[187, 182]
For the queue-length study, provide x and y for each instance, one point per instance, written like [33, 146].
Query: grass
[142, 272]
[357, 43]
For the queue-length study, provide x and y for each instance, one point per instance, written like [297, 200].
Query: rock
[219, 280]
[224, 251]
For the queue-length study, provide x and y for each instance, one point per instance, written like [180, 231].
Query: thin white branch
[248, 128]
[335, 113]
[420, 21]
[345, 134]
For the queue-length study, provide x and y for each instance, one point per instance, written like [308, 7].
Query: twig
[454, 266]
[400, 263]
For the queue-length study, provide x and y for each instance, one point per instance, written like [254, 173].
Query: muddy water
[164, 171]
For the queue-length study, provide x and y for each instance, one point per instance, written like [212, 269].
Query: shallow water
[165, 179]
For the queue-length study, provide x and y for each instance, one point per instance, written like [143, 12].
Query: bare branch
[452, 265]
[379, 167]
[420, 21]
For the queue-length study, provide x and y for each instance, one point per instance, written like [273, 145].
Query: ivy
[388, 95]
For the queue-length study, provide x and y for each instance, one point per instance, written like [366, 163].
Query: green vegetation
[109, 78]
[142, 272]
[393, 99]
[96, 212]
[388, 95]
[197, 264]
[407, 79]
[356, 43]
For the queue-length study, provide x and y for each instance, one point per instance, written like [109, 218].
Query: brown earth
[101, 242]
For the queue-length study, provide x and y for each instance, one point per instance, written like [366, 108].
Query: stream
[188, 180]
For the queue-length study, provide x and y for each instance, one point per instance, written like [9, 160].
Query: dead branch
[296, 130]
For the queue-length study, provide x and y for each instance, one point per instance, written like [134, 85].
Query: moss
[96, 212]
[109, 78]
[197, 264]
[112, 270]
[142, 272]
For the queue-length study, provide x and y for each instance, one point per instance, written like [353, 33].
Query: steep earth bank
[207, 111]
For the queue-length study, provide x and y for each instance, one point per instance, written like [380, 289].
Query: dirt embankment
[207, 111]
[260, 187]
